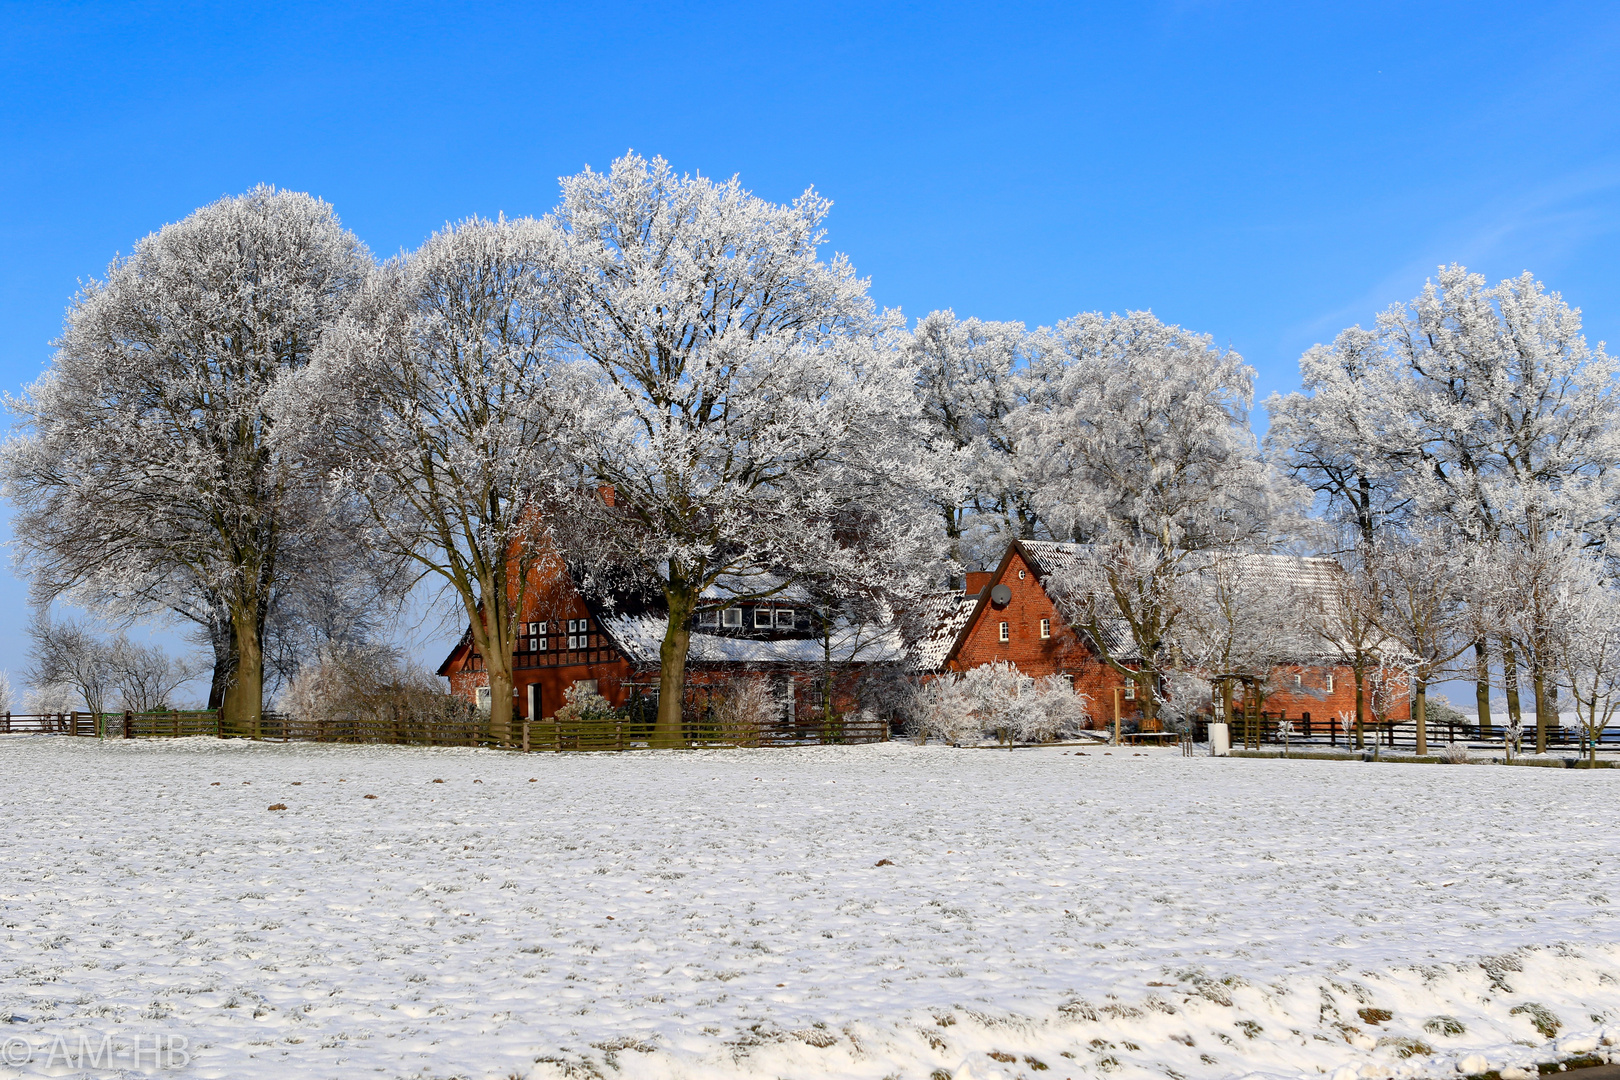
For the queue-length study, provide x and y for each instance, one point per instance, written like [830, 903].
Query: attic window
[732, 616]
[1002, 633]
[784, 618]
[1329, 686]
[1130, 690]
[762, 617]
[1297, 679]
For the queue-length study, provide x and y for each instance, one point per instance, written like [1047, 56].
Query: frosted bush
[582, 702]
[745, 708]
[1454, 754]
[996, 699]
[370, 685]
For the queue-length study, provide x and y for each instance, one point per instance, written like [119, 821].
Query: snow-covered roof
[641, 636]
[945, 614]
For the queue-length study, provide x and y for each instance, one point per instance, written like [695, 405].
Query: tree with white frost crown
[740, 396]
[145, 474]
[972, 375]
[1140, 448]
[432, 401]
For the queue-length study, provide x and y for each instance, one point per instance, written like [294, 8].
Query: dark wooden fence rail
[1266, 729]
[610, 733]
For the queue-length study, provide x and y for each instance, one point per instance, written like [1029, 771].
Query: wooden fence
[608, 733]
[1392, 735]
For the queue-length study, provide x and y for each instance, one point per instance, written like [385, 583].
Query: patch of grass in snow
[1541, 1016]
[1448, 1026]
[1405, 1047]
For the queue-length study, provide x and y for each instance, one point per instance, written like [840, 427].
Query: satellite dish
[1000, 596]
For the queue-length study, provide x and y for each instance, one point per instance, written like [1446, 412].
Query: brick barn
[1025, 628]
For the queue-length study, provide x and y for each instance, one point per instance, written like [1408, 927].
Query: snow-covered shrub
[370, 685]
[744, 709]
[581, 702]
[995, 699]
[943, 708]
[1454, 754]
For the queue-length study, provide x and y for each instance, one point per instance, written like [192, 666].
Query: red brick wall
[1062, 653]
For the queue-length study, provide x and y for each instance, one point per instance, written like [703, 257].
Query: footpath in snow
[879, 911]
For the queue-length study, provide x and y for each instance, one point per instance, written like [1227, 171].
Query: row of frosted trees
[252, 426]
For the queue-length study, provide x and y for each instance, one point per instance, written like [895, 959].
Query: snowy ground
[724, 913]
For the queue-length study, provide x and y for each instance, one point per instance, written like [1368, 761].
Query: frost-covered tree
[145, 475]
[1140, 448]
[1422, 588]
[69, 654]
[431, 408]
[1243, 617]
[971, 376]
[1588, 650]
[147, 676]
[740, 396]
[1346, 435]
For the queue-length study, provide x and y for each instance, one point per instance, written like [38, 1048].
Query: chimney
[977, 582]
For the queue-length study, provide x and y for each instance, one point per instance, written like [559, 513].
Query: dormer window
[784, 618]
[732, 616]
[762, 618]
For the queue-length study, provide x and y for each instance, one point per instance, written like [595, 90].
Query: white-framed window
[1130, 690]
[784, 618]
[710, 617]
[1298, 679]
[573, 625]
[482, 697]
[1046, 628]
[732, 616]
[1002, 634]
[762, 617]
[541, 647]
[539, 628]
[1329, 686]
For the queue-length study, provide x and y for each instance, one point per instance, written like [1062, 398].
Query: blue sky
[1266, 173]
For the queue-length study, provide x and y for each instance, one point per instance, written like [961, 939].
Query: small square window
[762, 617]
[540, 628]
[1046, 628]
[573, 642]
[1130, 690]
[784, 618]
[1003, 632]
[710, 617]
[1297, 679]
[732, 616]
[573, 625]
[584, 625]
[541, 647]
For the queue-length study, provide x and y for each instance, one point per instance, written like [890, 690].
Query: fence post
[129, 725]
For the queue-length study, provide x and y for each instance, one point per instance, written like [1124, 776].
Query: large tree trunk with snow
[672, 667]
[242, 705]
[222, 637]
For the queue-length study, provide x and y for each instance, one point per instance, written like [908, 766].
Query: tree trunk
[1510, 683]
[672, 668]
[242, 703]
[222, 636]
[1361, 705]
[1420, 715]
[1482, 686]
[1538, 685]
[500, 696]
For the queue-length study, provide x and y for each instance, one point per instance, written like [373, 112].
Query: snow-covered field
[883, 911]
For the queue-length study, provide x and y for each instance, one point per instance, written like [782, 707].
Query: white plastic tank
[1220, 740]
